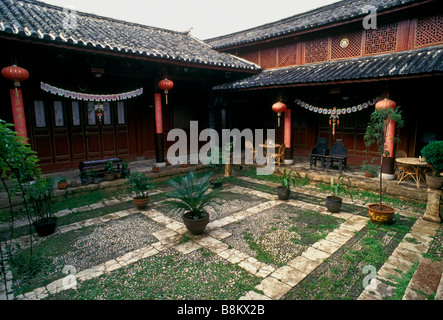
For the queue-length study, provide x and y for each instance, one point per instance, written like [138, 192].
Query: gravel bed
[110, 240]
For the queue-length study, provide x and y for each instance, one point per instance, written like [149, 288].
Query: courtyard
[256, 247]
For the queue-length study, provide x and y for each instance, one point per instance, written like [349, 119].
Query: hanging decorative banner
[91, 97]
[337, 111]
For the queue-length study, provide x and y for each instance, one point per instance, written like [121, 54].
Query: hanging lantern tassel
[166, 85]
[279, 107]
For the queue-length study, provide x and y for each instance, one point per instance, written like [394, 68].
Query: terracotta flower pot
[383, 214]
[195, 226]
[155, 169]
[109, 176]
[62, 185]
[141, 202]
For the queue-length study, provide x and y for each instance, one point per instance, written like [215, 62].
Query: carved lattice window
[429, 31]
[346, 45]
[382, 39]
[268, 58]
[287, 55]
[316, 50]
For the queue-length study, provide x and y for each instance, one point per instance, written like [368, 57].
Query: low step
[426, 281]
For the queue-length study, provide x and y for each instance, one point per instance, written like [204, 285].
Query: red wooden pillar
[288, 135]
[17, 74]
[388, 159]
[159, 151]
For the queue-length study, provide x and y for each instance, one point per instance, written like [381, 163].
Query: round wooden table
[412, 167]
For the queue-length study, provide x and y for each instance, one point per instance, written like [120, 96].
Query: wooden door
[67, 132]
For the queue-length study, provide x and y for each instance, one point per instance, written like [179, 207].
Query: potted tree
[376, 133]
[139, 184]
[39, 195]
[190, 197]
[109, 171]
[334, 202]
[286, 179]
[62, 183]
[433, 153]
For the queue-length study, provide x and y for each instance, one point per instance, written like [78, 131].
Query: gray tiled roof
[43, 22]
[336, 12]
[398, 64]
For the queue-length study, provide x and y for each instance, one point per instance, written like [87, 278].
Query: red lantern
[166, 85]
[279, 107]
[385, 104]
[15, 74]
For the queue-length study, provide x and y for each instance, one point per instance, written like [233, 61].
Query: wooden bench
[99, 165]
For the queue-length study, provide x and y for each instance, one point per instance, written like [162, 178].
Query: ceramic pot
[195, 226]
[283, 193]
[109, 176]
[141, 202]
[45, 227]
[383, 214]
[216, 183]
[333, 203]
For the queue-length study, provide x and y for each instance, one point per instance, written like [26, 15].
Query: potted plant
[139, 184]
[85, 179]
[74, 183]
[154, 168]
[94, 176]
[286, 179]
[38, 194]
[109, 171]
[376, 133]
[433, 153]
[62, 183]
[370, 169]
[125, 170]
[191, 197]
[334, 202]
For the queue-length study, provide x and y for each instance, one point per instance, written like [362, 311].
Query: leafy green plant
[376, 133]
[109, 167]
[341, 186]
[39, 196]
[139, 184]
[84, 174]
[289, 177]
[192, 194]
[370, 167]
[433, 153]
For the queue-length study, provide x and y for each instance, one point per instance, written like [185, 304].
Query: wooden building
[339, 56]
[78, 61]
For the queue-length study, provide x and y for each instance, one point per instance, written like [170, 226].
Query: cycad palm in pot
[190, 197]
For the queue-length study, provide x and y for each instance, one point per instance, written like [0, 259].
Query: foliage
[125, 165]
[192, 194]
[84, 174]
[341, 186]
[288, 178]
[61, 179]
[39, 196]
[17, 160]
[433, 154]
[140, 184]
[109, 166]
[376, 133]
[370, 168]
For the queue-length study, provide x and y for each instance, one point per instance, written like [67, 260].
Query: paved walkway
[276, 282]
